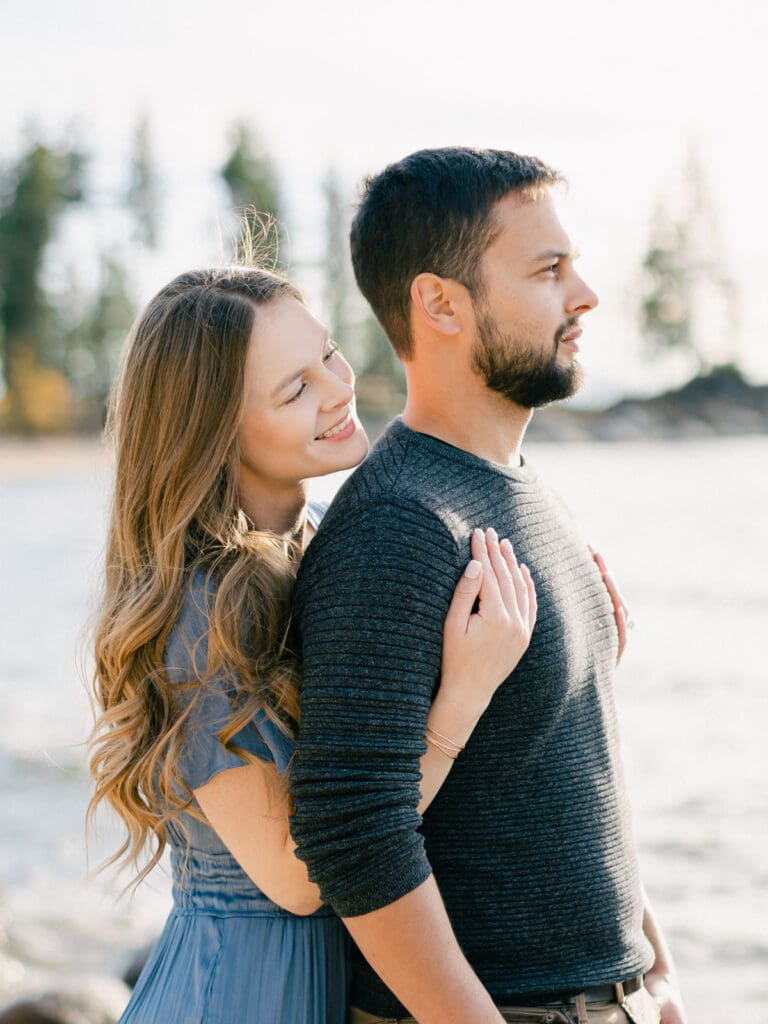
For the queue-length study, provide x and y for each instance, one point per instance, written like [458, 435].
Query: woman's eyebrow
[297, 373]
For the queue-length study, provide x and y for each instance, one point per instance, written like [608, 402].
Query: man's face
[527, 317]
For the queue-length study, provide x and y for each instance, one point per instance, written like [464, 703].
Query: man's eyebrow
[298, 373]
[555, 254]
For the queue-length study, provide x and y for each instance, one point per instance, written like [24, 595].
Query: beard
[528, 376]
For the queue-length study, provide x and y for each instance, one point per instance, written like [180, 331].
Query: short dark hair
[431, 213]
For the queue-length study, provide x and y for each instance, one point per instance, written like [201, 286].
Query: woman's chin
[358, 446]
[345, 454]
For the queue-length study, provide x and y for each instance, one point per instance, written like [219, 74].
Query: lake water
[684, 528]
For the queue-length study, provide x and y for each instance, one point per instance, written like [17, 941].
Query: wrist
[456, 719]
[663, 975]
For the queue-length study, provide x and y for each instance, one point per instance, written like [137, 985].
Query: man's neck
[484, 424]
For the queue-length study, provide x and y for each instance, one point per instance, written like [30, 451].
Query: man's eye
[553, 268]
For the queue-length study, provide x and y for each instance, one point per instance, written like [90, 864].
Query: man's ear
[437, 302]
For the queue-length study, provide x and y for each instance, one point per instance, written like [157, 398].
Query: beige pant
[641, 1007]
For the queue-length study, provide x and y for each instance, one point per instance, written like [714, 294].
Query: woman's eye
[552, 268]
[332, 349]
[298, 394]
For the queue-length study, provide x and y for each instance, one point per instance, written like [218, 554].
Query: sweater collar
[399, 432]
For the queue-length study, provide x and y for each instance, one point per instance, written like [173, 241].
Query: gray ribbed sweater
[529, 838]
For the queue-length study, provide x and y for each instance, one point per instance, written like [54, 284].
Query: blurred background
[130, 142]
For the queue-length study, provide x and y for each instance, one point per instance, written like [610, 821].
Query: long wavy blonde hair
[174, 417]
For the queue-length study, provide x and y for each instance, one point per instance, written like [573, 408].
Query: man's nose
[582, 299]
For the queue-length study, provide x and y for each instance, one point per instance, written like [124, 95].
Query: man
[539, 914]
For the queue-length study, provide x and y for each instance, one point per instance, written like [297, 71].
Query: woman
[231, 396]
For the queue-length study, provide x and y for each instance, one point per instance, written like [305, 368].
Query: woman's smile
[341, 430]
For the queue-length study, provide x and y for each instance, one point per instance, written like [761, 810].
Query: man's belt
[595, 994]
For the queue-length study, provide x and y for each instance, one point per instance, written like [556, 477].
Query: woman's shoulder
[315, 512]
[186, 649]
[211, 696]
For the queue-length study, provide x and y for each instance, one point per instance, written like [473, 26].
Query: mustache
[563, 329]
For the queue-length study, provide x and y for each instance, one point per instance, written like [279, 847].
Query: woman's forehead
[285, 339]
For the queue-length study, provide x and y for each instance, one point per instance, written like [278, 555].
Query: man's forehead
[529, 227]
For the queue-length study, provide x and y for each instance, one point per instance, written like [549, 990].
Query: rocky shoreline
[719, 404]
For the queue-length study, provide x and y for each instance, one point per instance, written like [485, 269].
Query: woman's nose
[341, 389]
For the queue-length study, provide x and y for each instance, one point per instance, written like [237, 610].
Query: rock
[54, 1009]
[92, 1001]
[135, 966]
[718, 404]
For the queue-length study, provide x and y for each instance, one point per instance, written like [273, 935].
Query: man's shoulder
[389, 503]
[385, 471]
[397, 481]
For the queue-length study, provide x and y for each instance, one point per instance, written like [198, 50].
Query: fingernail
[492, 533]
[507, 544]
[473, 570]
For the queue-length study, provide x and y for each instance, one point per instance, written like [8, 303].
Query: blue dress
[228, 954]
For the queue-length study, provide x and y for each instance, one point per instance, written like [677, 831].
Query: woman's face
[299, 419]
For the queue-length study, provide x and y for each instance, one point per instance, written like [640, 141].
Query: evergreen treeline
[60, 340]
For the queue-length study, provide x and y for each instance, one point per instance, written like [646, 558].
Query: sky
[612, 94]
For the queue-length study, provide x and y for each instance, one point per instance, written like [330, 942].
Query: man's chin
[559, 390]
[524, 380]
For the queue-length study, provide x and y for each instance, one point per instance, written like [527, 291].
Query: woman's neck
[281, 510]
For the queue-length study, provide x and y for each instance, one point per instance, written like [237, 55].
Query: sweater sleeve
[370, 604]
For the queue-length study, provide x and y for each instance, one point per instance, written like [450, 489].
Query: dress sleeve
[371, 599]
[315, 512]
[203, 755]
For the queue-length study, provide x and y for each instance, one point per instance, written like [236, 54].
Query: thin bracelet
[447, 739]
[442, 743]
[438, 746]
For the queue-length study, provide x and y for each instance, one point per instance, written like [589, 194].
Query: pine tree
[34, 192]
[689, 303]
[380, 377]
[94, 328]
[143, 194]
[666, 308]
[336, 268]
[250, 175]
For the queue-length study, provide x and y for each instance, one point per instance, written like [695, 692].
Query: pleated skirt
[251, 969]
